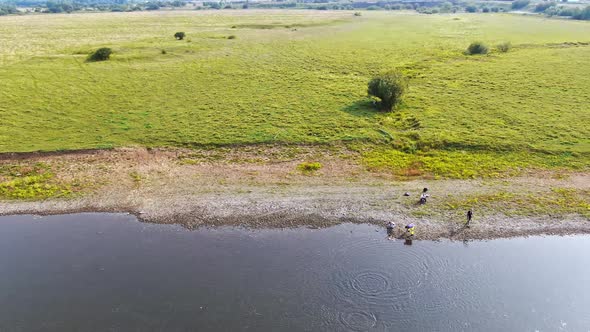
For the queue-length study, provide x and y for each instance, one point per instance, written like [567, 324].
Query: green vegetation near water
[30, 182]
[300, 77]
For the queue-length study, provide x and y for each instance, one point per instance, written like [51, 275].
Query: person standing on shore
[424, 196]
[410, 230]
[469, 216]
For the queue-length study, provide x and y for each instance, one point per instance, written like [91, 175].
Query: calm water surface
[107, 272]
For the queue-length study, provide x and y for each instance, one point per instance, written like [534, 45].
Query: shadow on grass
[362, 108]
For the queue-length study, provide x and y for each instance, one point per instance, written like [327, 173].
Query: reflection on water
[101, 272]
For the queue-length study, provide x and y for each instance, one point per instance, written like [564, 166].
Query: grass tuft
[309, 167]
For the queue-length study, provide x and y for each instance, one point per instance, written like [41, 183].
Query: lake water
[109, 272]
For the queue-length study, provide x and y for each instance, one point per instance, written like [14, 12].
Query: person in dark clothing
[424, 196]
[469, 216]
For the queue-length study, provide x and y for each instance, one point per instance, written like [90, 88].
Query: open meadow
[300, 77]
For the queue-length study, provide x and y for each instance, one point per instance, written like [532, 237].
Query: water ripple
[358, 320]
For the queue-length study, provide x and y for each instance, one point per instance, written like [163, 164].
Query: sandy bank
[161, 187]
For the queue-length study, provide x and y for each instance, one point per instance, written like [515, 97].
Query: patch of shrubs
[477, 48]
[212, 4]
[427, 10]
[446, 7]
[504, 47]
[61, 7]
[6, 9]
[519, 4]
[152, 6]
[575, 13]
[102, 54]
[231, 37]
[583, 14]
[543, 6]
[180, 35]
[471, 9]
[561, 11]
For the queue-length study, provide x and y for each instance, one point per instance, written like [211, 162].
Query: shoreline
[498, 227]
[279, 214]
[159, 186]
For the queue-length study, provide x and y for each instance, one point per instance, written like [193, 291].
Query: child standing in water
[469, 216]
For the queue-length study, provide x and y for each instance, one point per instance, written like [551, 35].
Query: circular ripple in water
[358, 320]
[370, 284]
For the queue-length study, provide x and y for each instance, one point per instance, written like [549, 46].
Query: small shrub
[357, 14]
[308, 167]
[504, 47]
[102, 54]
[519, 4]
[389, 88]
[231, 37]
[477, 48]
[136, 177]
[164, 52]
[179, 35]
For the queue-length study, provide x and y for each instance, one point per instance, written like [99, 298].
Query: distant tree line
[573, 12]
[550, 8]
[68, 6]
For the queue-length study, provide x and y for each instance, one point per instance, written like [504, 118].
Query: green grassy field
[300, 77]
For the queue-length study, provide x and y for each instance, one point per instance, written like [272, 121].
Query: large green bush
[477, 48]
[389, 88]
[102, 54]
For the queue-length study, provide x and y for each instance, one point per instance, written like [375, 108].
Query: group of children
[411, 228]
